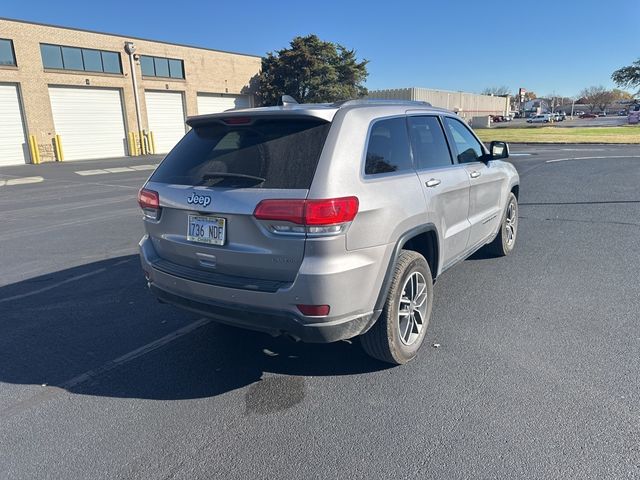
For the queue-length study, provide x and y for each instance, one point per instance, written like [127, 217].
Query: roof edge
[185, 45]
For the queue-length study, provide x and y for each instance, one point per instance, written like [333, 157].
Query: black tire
[383, 341]
[504, 243]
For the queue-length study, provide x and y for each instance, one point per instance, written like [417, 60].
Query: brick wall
[205, 71]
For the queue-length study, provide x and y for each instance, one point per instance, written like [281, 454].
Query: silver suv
[324, 222]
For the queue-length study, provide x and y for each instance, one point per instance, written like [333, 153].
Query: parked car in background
[542, 118]
[602, 114]
[588, 115]
[622, 113]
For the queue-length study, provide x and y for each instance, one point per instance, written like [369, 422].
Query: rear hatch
[209, 186]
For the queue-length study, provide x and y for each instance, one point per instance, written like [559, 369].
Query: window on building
[161, 67]
[111, 62]
[80, 59]
[175, 69]
[146, 65]
[7, 56]
[92, 60]
[72, 58]
[429, 145]
[388, 148]
[51, 56]
[468, 148]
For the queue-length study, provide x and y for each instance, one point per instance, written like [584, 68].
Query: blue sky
[544, 46]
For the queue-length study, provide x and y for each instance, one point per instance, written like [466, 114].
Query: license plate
[211, 230]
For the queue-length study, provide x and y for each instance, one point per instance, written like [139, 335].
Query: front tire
[400, 330]
[505, 241]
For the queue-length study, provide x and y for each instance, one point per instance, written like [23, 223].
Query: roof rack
[380, 101]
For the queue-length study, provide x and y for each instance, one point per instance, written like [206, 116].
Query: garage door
[211, 103]
[165, 114]
[89, 121]
[13, 149]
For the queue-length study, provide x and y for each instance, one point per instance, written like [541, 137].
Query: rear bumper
[271, 312]
[271, 322]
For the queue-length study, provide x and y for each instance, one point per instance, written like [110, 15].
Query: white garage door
[89, 121]
[13, 149]
[165, 113]
[211, 103]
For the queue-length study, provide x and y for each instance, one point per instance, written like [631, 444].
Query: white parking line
[132, 355]
[51, 392]
[49, 287]
[102, 171]
[21, 181]
[591, 158]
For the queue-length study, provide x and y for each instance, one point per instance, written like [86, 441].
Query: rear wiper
[211, 176]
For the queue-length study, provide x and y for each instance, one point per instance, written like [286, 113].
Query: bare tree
[496, 91]
[597, 97]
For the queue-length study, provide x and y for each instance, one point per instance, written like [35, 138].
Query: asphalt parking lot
[535, 376]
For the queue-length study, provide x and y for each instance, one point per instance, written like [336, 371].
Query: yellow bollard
[152, 141]
[33, 149]
[58, 144]
[133, 151]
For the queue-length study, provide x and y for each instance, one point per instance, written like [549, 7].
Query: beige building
[70, 93]
[467, 105]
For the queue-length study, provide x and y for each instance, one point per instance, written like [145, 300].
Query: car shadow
[95, 329]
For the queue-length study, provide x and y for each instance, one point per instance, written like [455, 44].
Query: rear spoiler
[254, 114]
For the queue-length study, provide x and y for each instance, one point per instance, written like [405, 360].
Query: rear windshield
[266, 154]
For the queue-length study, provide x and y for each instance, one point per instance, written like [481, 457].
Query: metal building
[467, 105]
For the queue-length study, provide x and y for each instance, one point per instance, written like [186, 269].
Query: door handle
[434, 182]
[475, 174]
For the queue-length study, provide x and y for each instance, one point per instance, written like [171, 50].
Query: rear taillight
[315, 217]
[149, 202]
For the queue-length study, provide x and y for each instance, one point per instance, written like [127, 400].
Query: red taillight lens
[149, 202]
[314, 310]
[330, 211]
[148, 199]
[281, 210]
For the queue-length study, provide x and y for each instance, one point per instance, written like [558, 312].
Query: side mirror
[498, 150]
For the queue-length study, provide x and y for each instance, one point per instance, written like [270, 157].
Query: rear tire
[400, 330]
[506, 240]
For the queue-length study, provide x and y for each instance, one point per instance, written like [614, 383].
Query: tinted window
[111, 62]
[92, 60]
[284, 153]
[468, 148]
[72, 58]
[162, 67]
[429, 145]
[51, 56]
[175, 69]
[6, 53]
[388, 147]
[146, 65]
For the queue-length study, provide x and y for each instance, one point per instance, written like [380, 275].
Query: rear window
[266, 154]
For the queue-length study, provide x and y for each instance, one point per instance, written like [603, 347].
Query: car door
[445, 185]
[486, 182]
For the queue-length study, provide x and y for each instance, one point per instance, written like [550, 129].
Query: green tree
[312, 71]
[628, 77]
